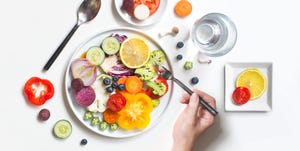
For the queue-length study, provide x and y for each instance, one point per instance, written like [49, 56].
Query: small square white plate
[263, 103]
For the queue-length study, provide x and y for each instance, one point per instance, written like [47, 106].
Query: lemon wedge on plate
[254, 80]
[134, 52]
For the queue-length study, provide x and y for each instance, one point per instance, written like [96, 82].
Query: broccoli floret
[188, 65]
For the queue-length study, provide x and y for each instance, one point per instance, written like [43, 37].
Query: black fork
[166, 74]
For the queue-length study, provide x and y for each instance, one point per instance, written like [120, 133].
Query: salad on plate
[117, 83]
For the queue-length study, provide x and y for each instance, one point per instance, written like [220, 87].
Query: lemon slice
[254, 80]
[134, 52]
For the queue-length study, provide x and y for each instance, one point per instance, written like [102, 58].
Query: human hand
[193, 121]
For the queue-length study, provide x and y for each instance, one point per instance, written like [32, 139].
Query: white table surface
[268, 31]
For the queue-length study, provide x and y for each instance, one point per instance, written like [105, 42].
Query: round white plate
[79, 111]
[147, 22]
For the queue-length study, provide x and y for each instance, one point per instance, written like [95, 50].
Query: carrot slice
[133, 84]
[110, 117]
[121, 80]
[183, 8]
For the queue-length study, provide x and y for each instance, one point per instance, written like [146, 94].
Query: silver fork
[166, 74]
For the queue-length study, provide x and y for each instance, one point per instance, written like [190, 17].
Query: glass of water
[214, 34]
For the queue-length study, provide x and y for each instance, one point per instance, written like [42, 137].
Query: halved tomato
[241, 95]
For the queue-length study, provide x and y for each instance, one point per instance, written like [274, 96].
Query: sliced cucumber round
[62, 129]
[110, 45]
[95, 55]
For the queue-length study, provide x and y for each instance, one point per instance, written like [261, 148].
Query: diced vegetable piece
[85, 96]
[77, 84]
[88, 115]
[81, 68]
[62, 129]
[110, 45]
[188, 65]
[103, 125]
[113, 127]
[133, 84]
[110, 117]
[155, 102]
[44, 114]
[157, 57]
[146, 73]
[157, 88]
[128, 5]
[95, 121]
[120, 38]
[95, 55]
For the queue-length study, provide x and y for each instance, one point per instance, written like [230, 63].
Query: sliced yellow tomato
[136, 113]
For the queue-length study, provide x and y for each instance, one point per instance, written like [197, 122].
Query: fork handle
[201, 101]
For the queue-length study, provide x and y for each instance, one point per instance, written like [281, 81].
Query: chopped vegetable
[116, 102]
[122, 80]
[157, 88]
[110, 117]
[38, 91]
[128, 5]
[183, 8]
[85, 96]
[120, 38]
[133, 84]
[77, 84]
[88, 115]
[95, 55]
[113, 66]
[188, 65]
[62, 129]
[95, 121]
[113, 127]
[110, 45]
[83, 69]
[136, 113]
[155, 102]
[103, 125]
[44, 114]
[146, 73]
[241, 95]
[157, 57]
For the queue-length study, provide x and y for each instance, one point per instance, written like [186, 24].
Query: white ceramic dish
[263, 103]
[147, 22]
[79, 111]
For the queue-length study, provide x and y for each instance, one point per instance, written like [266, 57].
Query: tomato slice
[38, 90]
[116, 102]
[241, 95]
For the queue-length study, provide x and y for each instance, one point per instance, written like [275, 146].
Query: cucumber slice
[110, 45]
[95, 55]
[62, 129]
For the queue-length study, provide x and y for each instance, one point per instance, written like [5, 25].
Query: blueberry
[194, 80]
[180, 44]
[179, 57]
[110, 89]
[83, 142]
[114, 84]
[121, 87]
[115, 78]
[106, 81]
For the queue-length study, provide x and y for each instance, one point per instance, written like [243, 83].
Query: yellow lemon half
[254, 80]
[134, 52]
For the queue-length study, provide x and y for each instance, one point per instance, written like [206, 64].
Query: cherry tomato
[241, 95]
[38, 90]
[116, 102]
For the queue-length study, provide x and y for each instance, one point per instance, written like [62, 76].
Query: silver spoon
[86, 12]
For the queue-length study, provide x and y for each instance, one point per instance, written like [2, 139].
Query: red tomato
[116, 102]
[38, 91]
[151, 4]
[241, 95]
